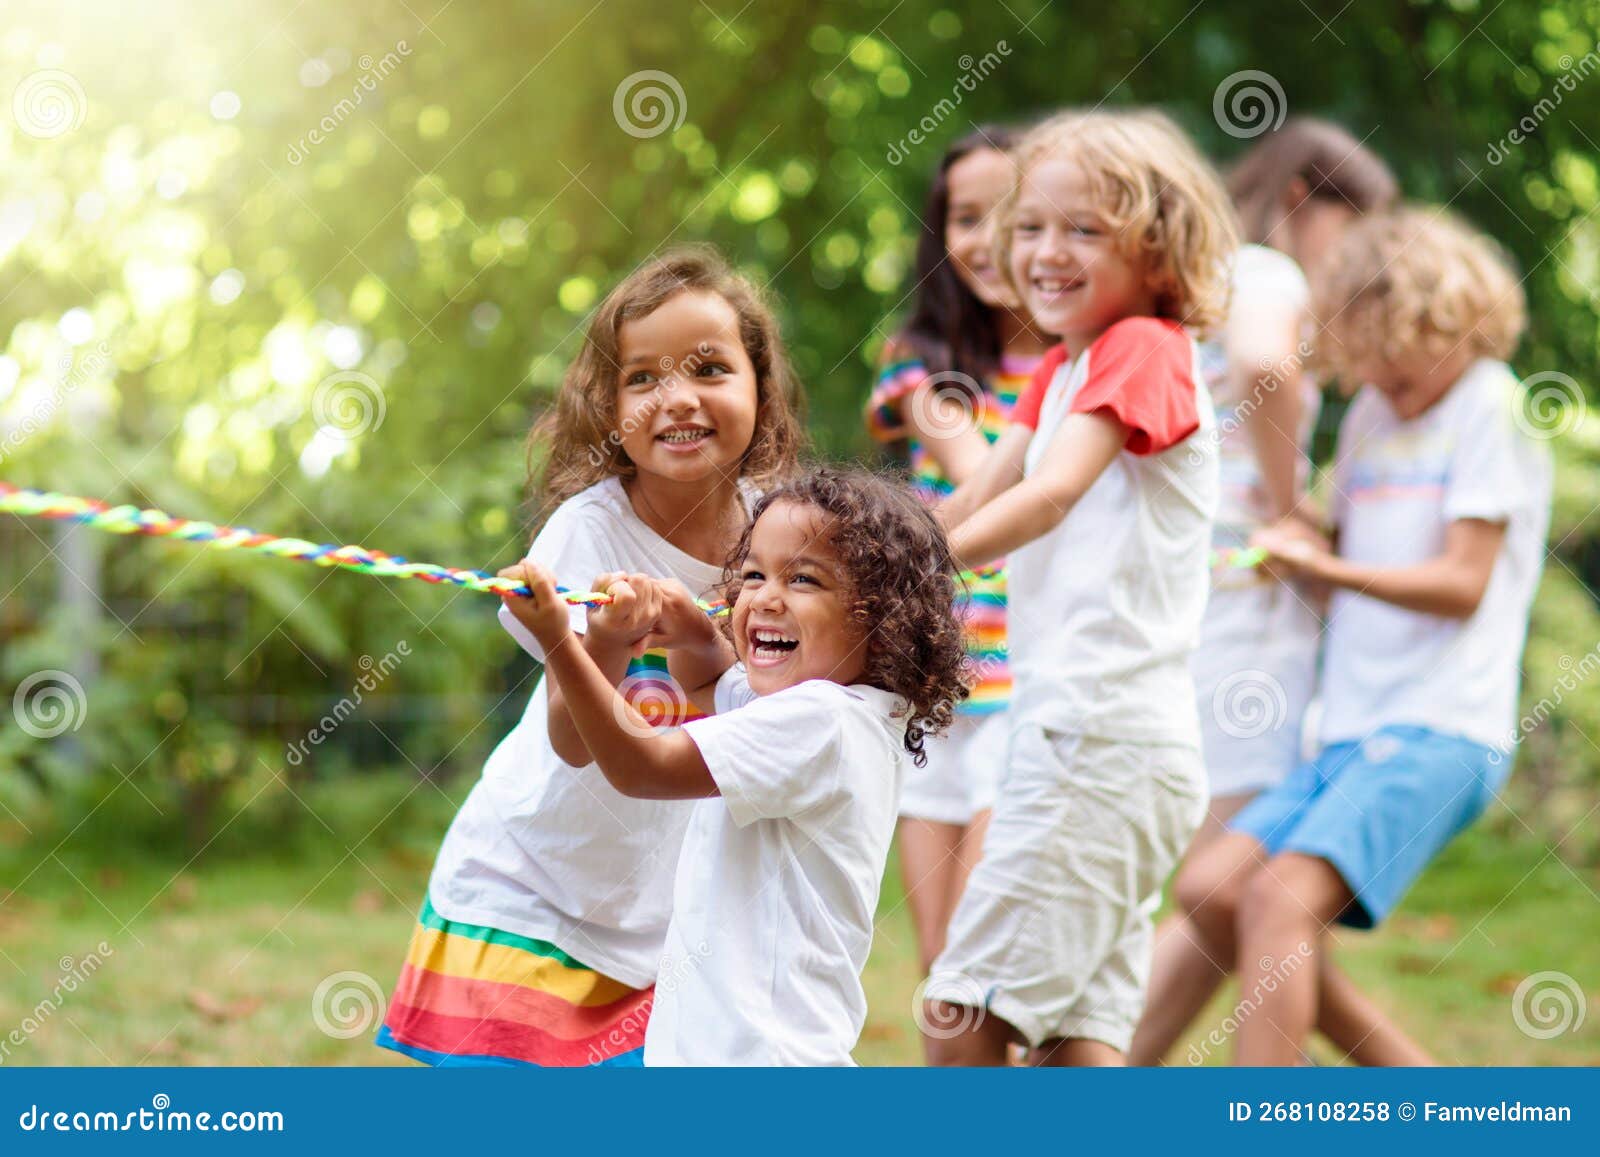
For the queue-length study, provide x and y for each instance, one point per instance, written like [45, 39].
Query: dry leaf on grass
[219, 1011]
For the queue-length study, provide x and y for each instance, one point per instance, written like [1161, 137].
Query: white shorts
[959, 778]
[1054, 931]
[1255, 670]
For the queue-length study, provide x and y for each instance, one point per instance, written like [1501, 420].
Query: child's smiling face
[686, 391]
[791, 616]
[1065, 260]
[978, 182]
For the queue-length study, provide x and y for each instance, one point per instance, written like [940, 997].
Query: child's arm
[1000, 469]
[612, 637]
[1264, 358]
[697, 653]
[1078, 454]
[1274, 436]
[1002, 464]
[1450, 584]
[948, 431]
[909, 402]
[637, 759]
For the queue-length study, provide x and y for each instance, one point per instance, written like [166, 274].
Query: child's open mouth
[768, 648]
[1055, 286]
[681, 438]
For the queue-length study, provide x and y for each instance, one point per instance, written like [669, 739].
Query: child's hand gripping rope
[630, 616]
[1291, 550]
[534, 600]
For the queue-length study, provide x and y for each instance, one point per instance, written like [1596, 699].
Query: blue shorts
[1379, 810]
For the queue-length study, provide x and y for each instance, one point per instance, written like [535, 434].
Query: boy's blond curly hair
[1166, 204]
[1414, 283]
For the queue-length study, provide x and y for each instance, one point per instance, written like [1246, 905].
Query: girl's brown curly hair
[579, 433]
[900, 583]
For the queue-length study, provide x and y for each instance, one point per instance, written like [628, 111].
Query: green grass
[217, 962]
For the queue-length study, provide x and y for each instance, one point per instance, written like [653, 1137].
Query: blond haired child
[1116, 237]
[548, 906]
[1440, 506]
[1297, 189]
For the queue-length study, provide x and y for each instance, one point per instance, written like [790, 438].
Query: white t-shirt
[778, 881]
[551, 851]
[1267, 286]
[1398, 485]
[1105, 609]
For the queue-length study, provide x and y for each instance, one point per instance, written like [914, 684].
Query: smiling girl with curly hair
[845, 654]
[538, 940]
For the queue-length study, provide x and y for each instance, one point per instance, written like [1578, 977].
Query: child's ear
[1295, 193]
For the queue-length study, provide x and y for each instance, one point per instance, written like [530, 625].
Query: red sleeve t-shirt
[1026, 411]
[1140, 372]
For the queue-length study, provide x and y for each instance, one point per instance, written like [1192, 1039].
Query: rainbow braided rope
[1238, 558]
[158, 524]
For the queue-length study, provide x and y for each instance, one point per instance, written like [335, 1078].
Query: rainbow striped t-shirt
[983, 600]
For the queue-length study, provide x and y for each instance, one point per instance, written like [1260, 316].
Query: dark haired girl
[946, 385]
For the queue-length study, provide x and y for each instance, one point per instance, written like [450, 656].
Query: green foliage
[436, 207]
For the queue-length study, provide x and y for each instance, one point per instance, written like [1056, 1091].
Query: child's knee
[1208, 886]
[1284, 892]
[943, 1053]
[1198, 890]
[979, 1038]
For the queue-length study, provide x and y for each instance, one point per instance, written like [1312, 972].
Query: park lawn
[217, 962]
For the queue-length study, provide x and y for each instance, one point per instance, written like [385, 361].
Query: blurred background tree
[317, 269]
